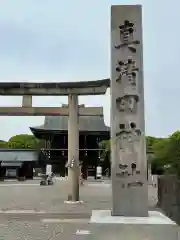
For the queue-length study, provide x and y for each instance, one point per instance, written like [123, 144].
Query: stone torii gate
[70, 89]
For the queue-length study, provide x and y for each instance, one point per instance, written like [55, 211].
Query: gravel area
[27, 196]
[42, 231]
[51, 198]
[72, 219]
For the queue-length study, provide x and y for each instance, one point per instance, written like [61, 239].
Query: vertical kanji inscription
[127, 109]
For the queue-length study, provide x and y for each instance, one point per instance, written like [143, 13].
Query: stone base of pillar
[156, 226]
[21, 179]
[74, 202]
[73, 179]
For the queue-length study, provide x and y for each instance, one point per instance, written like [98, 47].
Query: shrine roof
[18, 155]
[86, 124]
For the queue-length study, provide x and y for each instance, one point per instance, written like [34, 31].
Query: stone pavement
[31, 196]
[17, 230]
[29, 211]
[73, 231]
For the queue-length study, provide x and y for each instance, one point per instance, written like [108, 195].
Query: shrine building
[54, 131]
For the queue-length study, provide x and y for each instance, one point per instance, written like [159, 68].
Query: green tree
[165, 153]
[150, 141]
[160, 155]
[166, 157]
[3, 144]
[105, 148]
[23, 141]
[173, 154]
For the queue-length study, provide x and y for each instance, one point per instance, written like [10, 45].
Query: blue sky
[69, 40]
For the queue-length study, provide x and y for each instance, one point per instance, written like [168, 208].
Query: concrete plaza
[30, 211]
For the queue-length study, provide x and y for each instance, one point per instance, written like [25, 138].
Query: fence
[169, 196]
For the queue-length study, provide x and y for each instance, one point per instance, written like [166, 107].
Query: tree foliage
[3, 144]
[173, 154]
[159, 159]
[105, 148]
[23, 141]
[164, 153]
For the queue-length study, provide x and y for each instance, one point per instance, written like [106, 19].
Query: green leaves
[105, 148]
[3, 144]
[173, 153]
[163, 153]
[23, 141]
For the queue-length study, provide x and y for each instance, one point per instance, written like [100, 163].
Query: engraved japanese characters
[127, 71]
[128, 149]
[126, 36]
[128, 136]
[127, 103]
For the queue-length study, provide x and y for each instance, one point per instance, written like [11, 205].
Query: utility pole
[73, 148]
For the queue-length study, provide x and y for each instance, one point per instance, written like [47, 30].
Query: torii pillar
[73, 148]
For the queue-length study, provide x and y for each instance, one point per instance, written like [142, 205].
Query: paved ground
[29, 211]
[31, 196]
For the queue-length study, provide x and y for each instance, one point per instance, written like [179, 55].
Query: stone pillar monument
[129, 174]
[73, 148]
[128, 154]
